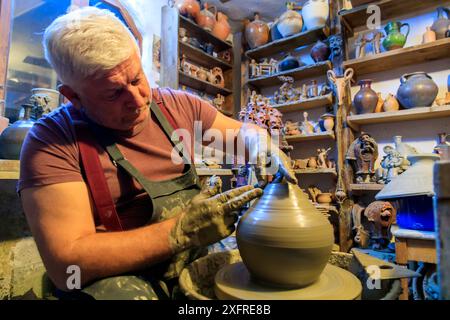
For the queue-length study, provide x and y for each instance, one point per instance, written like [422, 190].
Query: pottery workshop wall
[421, 134]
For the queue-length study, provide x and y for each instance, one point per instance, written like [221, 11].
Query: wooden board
[313, 70]
[169, 48]
[389, 9]
[211, 172]
[200, 57]
[201, 85]
[9, 169]
[366, 187]
[5, 37]
[194, 30]
[389, 60]
[316, 171]
[316, 136]
[289, 43]
[316, 102]
[401, 115]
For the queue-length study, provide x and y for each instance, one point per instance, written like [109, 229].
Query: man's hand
[210, 217]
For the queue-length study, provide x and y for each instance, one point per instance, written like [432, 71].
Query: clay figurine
[307, 127]
[360, 46]
[322, 158]
[381, 215]
[291, 128]
[393, 164]
[362, 154]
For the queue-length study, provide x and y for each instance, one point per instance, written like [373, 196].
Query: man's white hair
[87, 42]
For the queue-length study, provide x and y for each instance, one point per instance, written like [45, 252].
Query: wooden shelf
[289, 43]
[202, 58]
[316, 136]
[316, 171]
[366, 187]
[389, 60]
[9, 169]
[401, 115]
[201, 85]
[389, 9]
[304, 72]
[321, 101]
[194, 30]
[210, 172]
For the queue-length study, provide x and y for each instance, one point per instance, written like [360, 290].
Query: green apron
[169, 198]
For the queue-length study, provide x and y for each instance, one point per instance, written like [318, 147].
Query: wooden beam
[169, 47]
[6, 11]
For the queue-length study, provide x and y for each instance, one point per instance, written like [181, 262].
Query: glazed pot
[12, 137]
[289, 62]
[394, 38]
[206, 19]
[391, 103]
[202, 74]
[365, 99]
[328, 121]
[312, 162]
[442, 23]
[257, 33]
[417, 90]
[324, 198]
[222, 28]
[290, 23]
[188, 8]
[283, 239]
[320, 51]
[315, 13]
[274, 33]
[429, 36]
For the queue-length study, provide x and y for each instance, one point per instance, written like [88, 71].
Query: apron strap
[95, 177]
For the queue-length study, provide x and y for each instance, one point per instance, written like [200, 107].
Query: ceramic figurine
[257, 33]
[428, 36]
[315, 13]
[376, 41]
[291, 128]
[274, 64]
[360, 46]
[442, 143]
[322, 158]
[217, 74]
[337, 53]
[442, 23]
[307, 127]
[219, 101]
[340, 83]
[393, 164]
[362, 154]
[394, 38]
[290, 22]
[182, 33]
[265, 68]
[417, 90]
[312, 162]
[225, 55]
[391, 103]
[313, 89]
[381, 215]
[403, 148]
[254, 70]
[365, 99]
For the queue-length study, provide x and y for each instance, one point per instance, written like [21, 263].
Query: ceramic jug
[188, 8]
[442, 23]
[417, 90]
[320, 51]
[429, 36]
[315, 13]
[283, 239]
[365, 99]
[391, 103]
[257, 32]
[288, 63]
[222, 28]
[290, 23]
[206, 18]
[394, 38]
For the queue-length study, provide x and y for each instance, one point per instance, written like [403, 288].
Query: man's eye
[136, 81]
[115, 95]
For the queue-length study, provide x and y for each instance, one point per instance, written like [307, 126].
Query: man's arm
[61, 220]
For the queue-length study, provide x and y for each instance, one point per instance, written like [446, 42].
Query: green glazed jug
[394, 38]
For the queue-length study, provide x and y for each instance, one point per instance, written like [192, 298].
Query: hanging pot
[222, 28]
[365, 100]
[315, 13]
[283, 239]
[257, 33]
[188, 8]
[442, 23]
[417, 90]
[12, 138]
[207, 19]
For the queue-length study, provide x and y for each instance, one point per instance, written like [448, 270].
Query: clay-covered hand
[210, 217]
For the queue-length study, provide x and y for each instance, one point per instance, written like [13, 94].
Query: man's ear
[71, 95]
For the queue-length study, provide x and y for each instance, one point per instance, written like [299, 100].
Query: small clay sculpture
[361, 155]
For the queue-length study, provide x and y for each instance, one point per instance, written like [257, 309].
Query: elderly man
[98, 183]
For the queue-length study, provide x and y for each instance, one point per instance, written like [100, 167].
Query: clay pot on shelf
[320, 51]
[417, 90]
[442, 23]
[188, 8]
[222, 28]
[207, 19]
[12, 137]
[315, 13]
[328, 121]
[324, 198]
[391, 103]
[274, 32]
[290, 23]
[283, 231]
[365, 99]
[379, 107]
[202, 74]
[394, 38]
[312, 163]
[289, 62]
[257, 32]
[429, 36]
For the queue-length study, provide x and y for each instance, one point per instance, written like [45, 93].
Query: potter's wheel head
[233, 282]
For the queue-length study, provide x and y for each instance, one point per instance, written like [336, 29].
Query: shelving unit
[289, 43]
[400, 57]
[316, 102]
[316, 136]
[307, 71]
[201, 85]
[202, 58]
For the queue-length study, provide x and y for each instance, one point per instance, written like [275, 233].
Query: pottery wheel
[234, 282]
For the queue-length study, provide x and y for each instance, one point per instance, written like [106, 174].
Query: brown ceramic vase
[257, 33]
[284, 241]
[365, 99]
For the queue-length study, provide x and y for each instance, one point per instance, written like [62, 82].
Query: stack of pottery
[283, 239]
[257, 32]
[315, 13]
[188, 8]
[365, 99]
[206, 19]
[394, 38]
[290, 23]
[320, 51]
[222, 28]
[417, 90]
[441, 24]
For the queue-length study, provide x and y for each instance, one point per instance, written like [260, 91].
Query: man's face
[120, 99]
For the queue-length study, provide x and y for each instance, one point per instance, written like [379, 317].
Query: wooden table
[413, 245]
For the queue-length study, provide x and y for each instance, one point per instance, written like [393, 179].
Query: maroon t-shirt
[50, 153]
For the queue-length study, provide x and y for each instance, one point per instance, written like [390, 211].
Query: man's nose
[135, 99]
